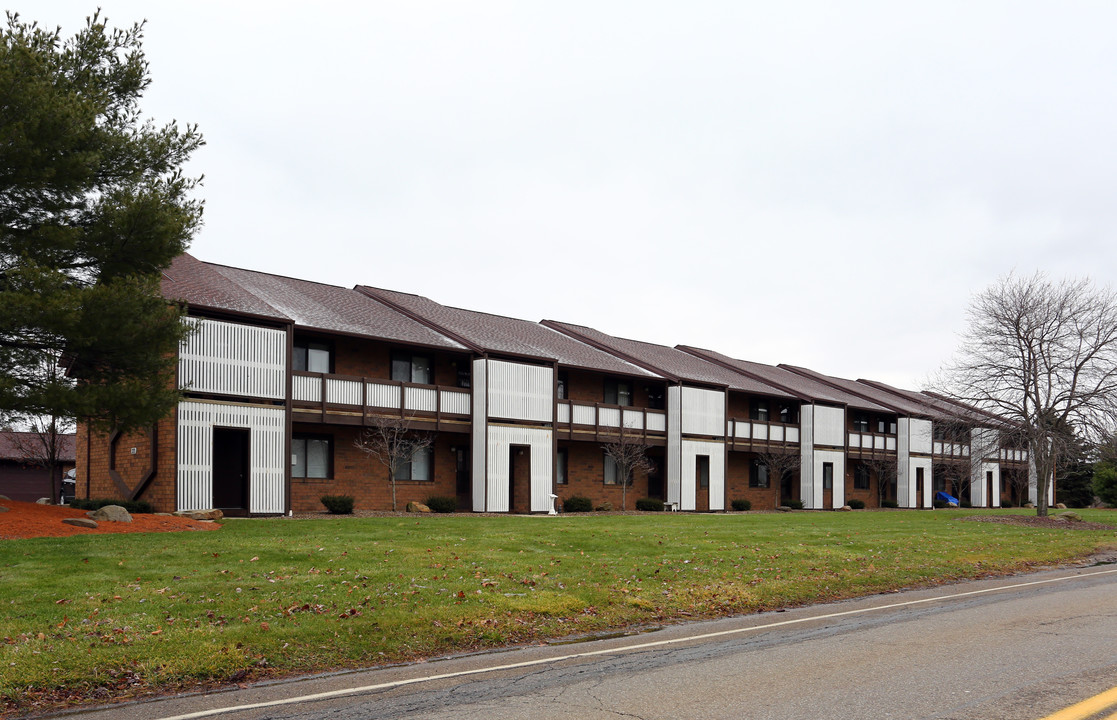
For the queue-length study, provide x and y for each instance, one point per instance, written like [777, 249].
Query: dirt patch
[27, 520]
[1051, 522]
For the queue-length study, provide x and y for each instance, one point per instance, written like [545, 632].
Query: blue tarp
[946, 498]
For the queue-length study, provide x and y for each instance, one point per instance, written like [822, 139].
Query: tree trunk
[392, 482]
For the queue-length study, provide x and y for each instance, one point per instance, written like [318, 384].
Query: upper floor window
[758, 410]
[560, 387]
[312, 456]
[886, 425]
[412, 368]
[618, 392]
[312, 356]
[465, 375]
[789, 414]
[860, 422]
[655, 399]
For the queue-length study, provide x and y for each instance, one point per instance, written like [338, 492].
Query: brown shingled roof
[794, 383]
[21, 446]
[669, 361]
[309, 305]
[897, 403]
[504, 335]
[940, 408]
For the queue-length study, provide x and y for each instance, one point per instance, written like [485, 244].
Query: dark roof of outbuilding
[797, 385]
[23, 446]
[309, 305]
[668, 360]
[504, 335]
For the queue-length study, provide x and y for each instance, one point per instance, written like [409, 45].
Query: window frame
[409, 356]
[410, 470]
[760, 475]
[613, 389]
[862, 475]
[609, 470]
[305, 346]
[827, 476]
[562, 465]
[317, 437]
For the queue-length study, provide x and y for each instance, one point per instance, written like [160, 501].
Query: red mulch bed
[27, 520]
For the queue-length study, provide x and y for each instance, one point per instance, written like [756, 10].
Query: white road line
[615, 651]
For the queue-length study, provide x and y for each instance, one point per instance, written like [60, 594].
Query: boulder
[604, 507]
[43, 501]
[211, 514]
[1069, 516]
[417, 507]
[3, 509]
[81, 522]
[112, 513]
[1060, 506]
[4, 497]
[784, 508]
[845, 508]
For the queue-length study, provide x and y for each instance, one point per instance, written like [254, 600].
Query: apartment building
[283, 377]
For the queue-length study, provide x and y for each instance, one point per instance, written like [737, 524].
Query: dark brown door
[464, 488]
[230, 469]
[702, 477]
[655, 478]
[988, 488]
[519, 479]
[827, 486]
[919, 487]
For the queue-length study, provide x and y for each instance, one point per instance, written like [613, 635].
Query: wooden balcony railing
[872, 442]
[603, 419]
[745, 434]
[347, 394]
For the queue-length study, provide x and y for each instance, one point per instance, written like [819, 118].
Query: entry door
[464, 486]
[919, 489]
[655, 478]
[519, 479]
[230, 469]
[702, 476]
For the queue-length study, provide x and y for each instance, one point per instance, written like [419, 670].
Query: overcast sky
[816, 183]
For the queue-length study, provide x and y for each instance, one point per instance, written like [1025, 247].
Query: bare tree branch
[630, 456]
[390, 440]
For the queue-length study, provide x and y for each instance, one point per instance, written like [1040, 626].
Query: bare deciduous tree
[630, 455]
[780, 461]
[1043, 356]
[885, 467]
[391, 441]
[42, 446]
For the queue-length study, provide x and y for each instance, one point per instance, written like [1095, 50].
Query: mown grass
[115, 614]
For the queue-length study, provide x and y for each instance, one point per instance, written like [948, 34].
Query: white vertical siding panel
[520, 392]
[501, 440]
[792, 435]
[381, 395]
[634, 419]
[584, 415]
[691, 449]
[838, 459]
[905, 478]
[306, 388]
[343, 392]
[267, 454]
[657, 421]
[233, 359]
[921, 436]
[806, 457]
[674, 445]
[420, 399]
[455, 402]
[829, 425]
[609, 417]
[760, 431]
[703, 411]
[563, 413]
[478, 428]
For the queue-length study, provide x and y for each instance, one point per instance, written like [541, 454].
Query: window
[702, 470]
[827, 476]
[655, 399]
[758, 410]
[312, 456]
[560, 467]
[618, 392]
[411, 368]
[312, 356]
[421, 467]
[560, 389]
[789, 414]
[465, 376]
[886, 425]
[860, 422]
[860, 477]
[611, 472]
[758, 476]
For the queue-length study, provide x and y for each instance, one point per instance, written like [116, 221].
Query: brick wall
[366, 479]
[95, 480]
[585, 472]
[737, 484]
[589, 387]
[373, 359]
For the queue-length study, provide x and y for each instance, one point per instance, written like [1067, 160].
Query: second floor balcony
[757, 435]
[345, 399]
[600, 421]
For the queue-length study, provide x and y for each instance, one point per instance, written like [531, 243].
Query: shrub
[577, 503]
[964, 503]
[442, 504]
[338, 504]
[1105, 483]
[649, 505]
[741, 505]
[940, 504]
[888, 504]
[1006, 503]
[604, 507]
[856, 504]
[795, 504]
[136, 507]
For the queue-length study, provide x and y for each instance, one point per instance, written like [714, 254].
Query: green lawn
[129, 613]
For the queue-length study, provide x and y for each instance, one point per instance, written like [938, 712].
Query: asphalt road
[1021, 647]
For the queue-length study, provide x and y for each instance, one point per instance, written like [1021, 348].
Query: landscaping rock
[845, 508]
[3, 509]
[417, 507]
[211, 514]
[112, 513]
[1069, 516]
[4, 497]
[43, 501]
[1030, 506]
[81, 522]
[1060, 506]
[784, 508]
[604, 507]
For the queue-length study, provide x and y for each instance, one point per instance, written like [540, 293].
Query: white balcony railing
[760, 431]
[380, 394]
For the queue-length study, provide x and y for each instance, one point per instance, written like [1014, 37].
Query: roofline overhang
[826, 380]
[704, 355]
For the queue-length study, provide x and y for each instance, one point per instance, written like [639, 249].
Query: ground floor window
[312, 456]
[702, 470]
[611, 473]
[560, 467]
[827, 476]
[421, 467]
[758, 475]
[860, 477]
